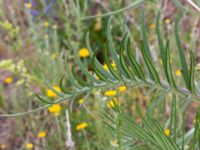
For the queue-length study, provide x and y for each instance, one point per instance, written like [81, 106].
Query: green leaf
[44, 100]
[145, 39]
[113, 50]
[173, 116]
[168, 68]
[61, 86]
[149, 64]
[79, 79]
[70, 76]
[121, 58]
[98, 64]
[114, 73]
[83, 68]
[135, 65]
[192, 70]
[99, 73]
[185, 73]
[52, 88]
[160, 41]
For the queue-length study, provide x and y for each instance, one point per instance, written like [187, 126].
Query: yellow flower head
[160, 60]
[46, 24]
[113, 103]
[29, 145]
[152, 26]
[28, 5]
[41, 134]
[178, 73]
[84, 52]
[106, 67]
[81, 126]
[114, 143]
[8, 80]
[122, 88]
[110, 93]
[53, 56]
[98, 26]
[51, 94]
[167, 132]
[194, 121]
[55, 109]
[80, 101]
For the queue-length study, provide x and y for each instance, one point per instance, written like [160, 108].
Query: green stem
[86, 139]
[118, 132]
[114, 12]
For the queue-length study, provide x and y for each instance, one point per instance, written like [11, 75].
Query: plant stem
[118, 132]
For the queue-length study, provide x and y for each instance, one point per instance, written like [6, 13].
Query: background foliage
[99, 75]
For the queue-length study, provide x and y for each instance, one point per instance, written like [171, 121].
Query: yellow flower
[98, 24]
[55, 109]
[51, 94]
[8, 80]
[41, 134]
[84, 52]
[81, 101]
[152, 26]
[122, 88]
[167, 132]
[178, 73]
[110, 93]
[46, 23]
[53, 56]
[113, 103]
[194, 121]
[81, 126]
[160, 60]
[114, 143]
[106, 67]
[29, 145]
[28, 5]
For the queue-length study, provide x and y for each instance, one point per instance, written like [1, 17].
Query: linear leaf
[61, 85]
[114, 73]
[98, 64]
[79, 79]
[160, 41]
[135, 65]
[70, 76]
[121, 58]
[113, 50]
[168, 68]
[192, 70]
[98, 72]
[145, 39]
[149, 64]
[185, 73]
[52, 88]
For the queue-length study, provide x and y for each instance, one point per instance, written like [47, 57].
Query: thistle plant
[142, 129]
